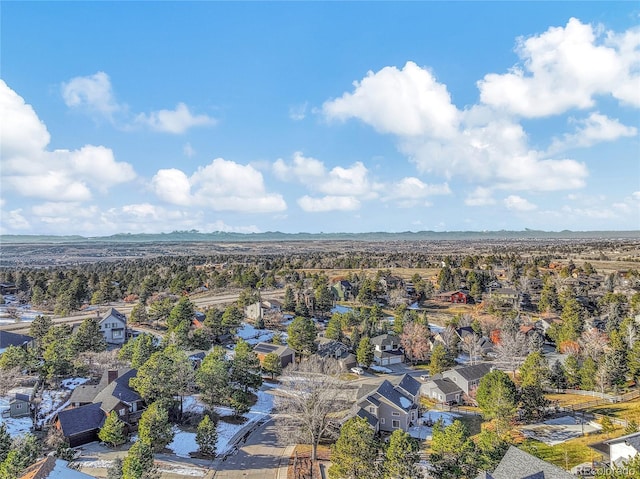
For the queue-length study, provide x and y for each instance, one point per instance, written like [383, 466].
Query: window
[381, 420]
[18, 405]
[371, 409]
[117, 333]
[395, 423]
[395, 413]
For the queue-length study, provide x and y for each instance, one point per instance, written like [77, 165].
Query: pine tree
[452, 452]
[245, 367]
[534, 371]
[401, 456]
[334, 328]
[364, 353]
[113, 430]
[139, 313]
[289, 303]
[272, 364]
[588, 374]
[354, 454]
[302, 335]
[89, 337]
[207, 436]
[138, 463]
[498, 398]
[212, 378]
[572, 371]
[557, 375]
[439, 360]
[143, 347]
[154, 427]
[5, 442]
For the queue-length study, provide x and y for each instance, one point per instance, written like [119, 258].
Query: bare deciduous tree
[512, 350]
[9, 379]
[98, 363]
[415, 341]
[472, 345]
[593, 343]
[311, 397]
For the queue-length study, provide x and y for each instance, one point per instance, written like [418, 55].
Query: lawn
[569, 399]
[624, 410]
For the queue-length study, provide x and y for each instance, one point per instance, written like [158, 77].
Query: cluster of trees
[16, 454]
[359, 454]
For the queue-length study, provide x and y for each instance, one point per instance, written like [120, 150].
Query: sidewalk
[284, 462]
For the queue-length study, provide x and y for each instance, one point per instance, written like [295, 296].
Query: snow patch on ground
[73, 383]
[423, 431]
[558, 430]
[15, 426]
[183, 443]
[380, 369]
[253, 335]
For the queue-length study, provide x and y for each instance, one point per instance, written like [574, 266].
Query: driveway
[262, 456]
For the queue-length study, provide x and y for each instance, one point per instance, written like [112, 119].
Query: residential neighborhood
[190, 383]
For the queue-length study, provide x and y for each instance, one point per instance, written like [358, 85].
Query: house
[8, 288]
[504, 295]
[13, 339]
[443, 390]
[90, 405]
[262, 309]
[386, 350]
[620, 449]
[284, 352]
[517, 464]
[330, 348]
[453, 297]
[342, 290]
[80, 425]
[114, 327]
[387, 407]
[53, 468]
[20, 402]
[468, 377]
[391, 282]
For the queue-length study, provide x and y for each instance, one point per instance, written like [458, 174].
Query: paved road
[261, 457]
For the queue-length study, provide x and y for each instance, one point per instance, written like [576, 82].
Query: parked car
[357, 371]
[425, 377]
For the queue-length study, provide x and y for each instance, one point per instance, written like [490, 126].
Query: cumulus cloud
[174, 121]
[517, 203]
[94, 94]
[480, 197]
[328, 203]
[596, 128]
[565, 68]
[222, 185]
[407, 102]
[412, 191]
[31, 170]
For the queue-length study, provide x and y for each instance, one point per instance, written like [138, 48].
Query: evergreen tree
[182, 313]
[213, 322]
[572, 321]
[138, 463]
[154, 427]
[557, 375]
[143, 347]
[401, 457]
[334, 328]
[212, 378]
[139, 313]
[113, 430]
[245, 367]
[39, 328]
[89, 337]
[354, 454]
[452, 452]
[364, 354]
[572, 371]
[439, 360]
[302, 336]
[490, 449]
[232, 318]
[207, 436]
[272, 364]
[534, 371]
[5, 442]
[588, 374]
[533, 402]
[289, 303]
[15, 357]
[497, 397]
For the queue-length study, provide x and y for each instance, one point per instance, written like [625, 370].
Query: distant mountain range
[219, 236]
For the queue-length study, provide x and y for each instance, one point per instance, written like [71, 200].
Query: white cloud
[16, 221]
[298, 112]
[92, 93]
[565, 68]
[599, 213]
[31, 170]
[480, 197]
[411, 191]
[594, 129]
[174, 121]
[517, 203]
[328, 203]
[221, 186]
[407, 102]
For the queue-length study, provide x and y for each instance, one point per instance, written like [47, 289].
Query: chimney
[112, 375]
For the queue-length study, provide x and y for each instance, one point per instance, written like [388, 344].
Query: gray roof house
[114, 327]
[81, 425]
[386, 349]
[467, 377]
[441, 389]
[387, 407]
[284, 352]
[620, 449]
[20, 402]
[330, 348]
[517, 464]
[13, 339]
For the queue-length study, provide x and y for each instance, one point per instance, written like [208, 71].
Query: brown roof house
[284, 352]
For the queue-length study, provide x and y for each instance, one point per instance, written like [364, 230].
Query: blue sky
[319, 117]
